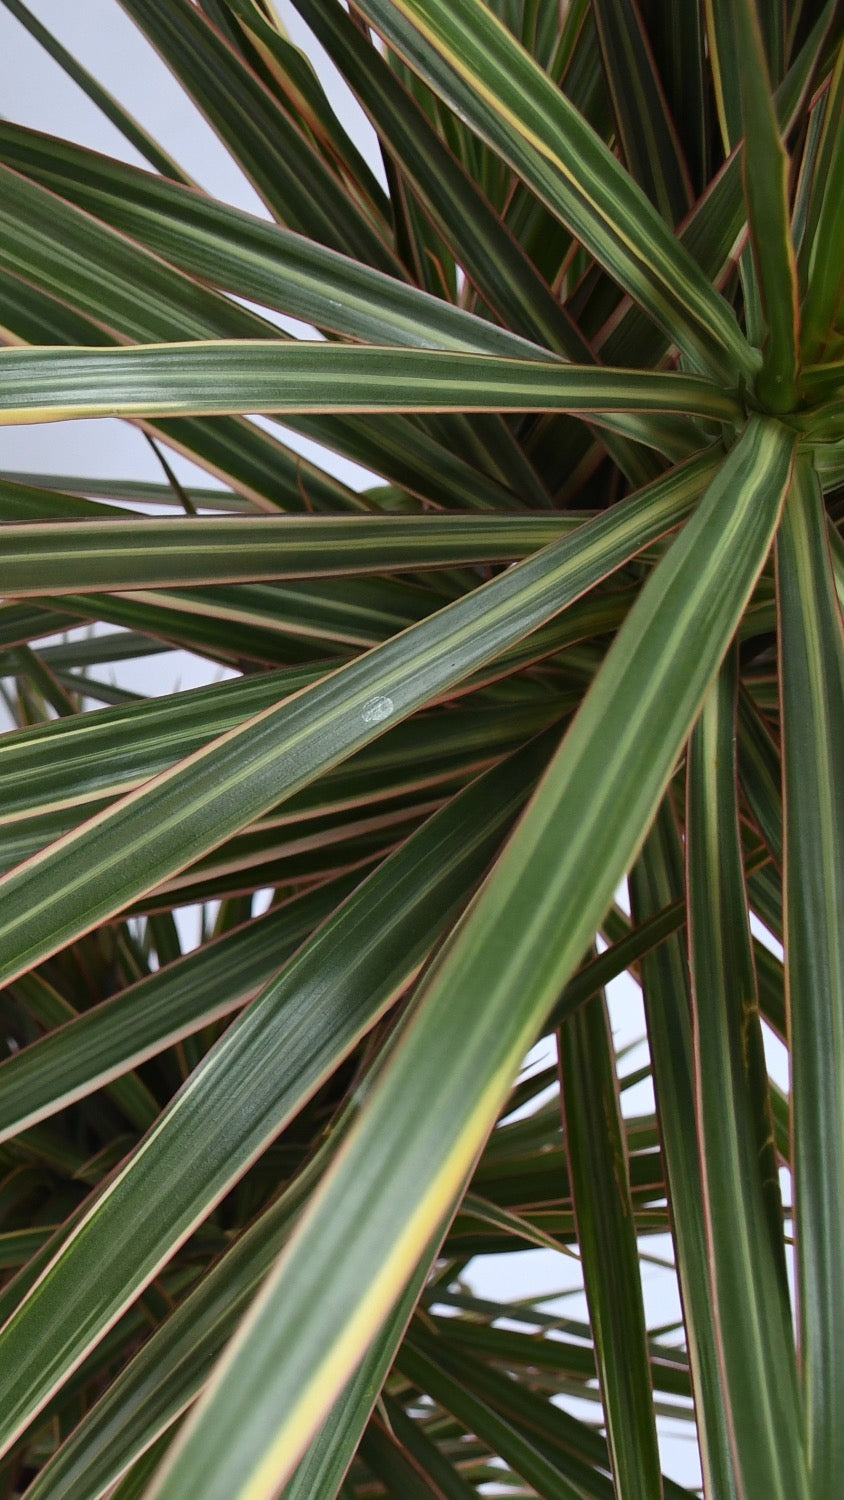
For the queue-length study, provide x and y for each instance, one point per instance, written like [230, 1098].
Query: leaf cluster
[580, 317]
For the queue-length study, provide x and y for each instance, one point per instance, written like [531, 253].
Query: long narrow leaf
[712, 229]
[270, 144]
[43, 559]
[446, 1475]
[490, 257]
[104, 1042]
[241, 253]
[766, 192]
[499, 1430]
[467, 55]
[608, 1249]
[822, 280]
[656, 878]
[57, 765]
[333, 1448]
[180, 815]
[166, 1374]
[63, 249]
[573, 1451]
[747, 1287]
[54, 384]
[261, 1072]
[485, 998]
[813, 723]
[645, 127]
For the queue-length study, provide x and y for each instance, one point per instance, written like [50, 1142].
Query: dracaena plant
[583, 320]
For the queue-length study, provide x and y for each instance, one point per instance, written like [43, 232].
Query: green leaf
[447, 1476]
[766, 191]
[473, 1206]
[813, 720]
[608, 1250]
[644, 125]
[291, 75]
[444, 1080]
[676, 36]
[332, 1449]
[17, 1246]
[823, 382]
[573, 1453]
[108, 1040]
[394, 1467]
[134, 1484]
[189, 809]
[54, 384]
[45, 497]
[656, 879]
[748, 1287]
[22, 623]
[166, 1374]
[719, 217]
[86, 759]
[821, 273]
[271, 146]
[490, 257]
[236, 1150]
[32, 502]
[760, 771]
[270, 1061]
[523, 1350]
[240, 253]
[471, 60]
[418, 1360]
[63, 249]
[99, 760]
[42, 558]
[264, 469]
[230, 249]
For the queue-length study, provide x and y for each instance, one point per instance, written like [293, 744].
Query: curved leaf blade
[106, 1041]
[270, 144]
[50, 384]
[111, 108]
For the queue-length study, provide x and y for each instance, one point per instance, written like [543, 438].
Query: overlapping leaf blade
[467, 55]
[293, 1353]
[220, 788]
[213, 377]
[510, 225]
[813, 711]
[607, 1241]
[40, 560]
[749, 1290]
[213, 1129]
